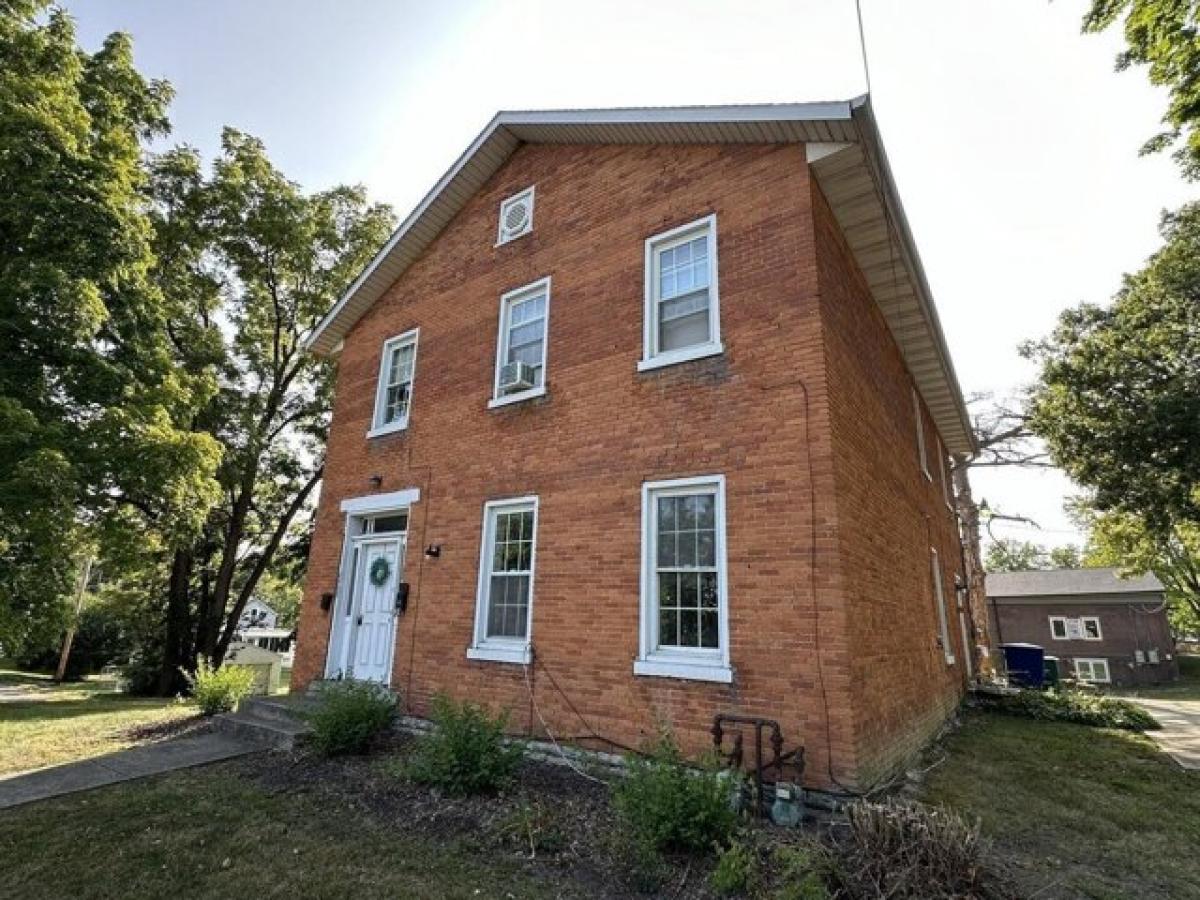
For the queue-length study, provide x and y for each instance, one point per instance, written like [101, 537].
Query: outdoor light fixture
[376, 480]
[433, 551]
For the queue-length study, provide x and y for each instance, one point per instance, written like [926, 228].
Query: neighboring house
[257, 615]
[1103, 628]
[642, 416]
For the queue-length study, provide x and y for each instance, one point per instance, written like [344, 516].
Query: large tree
[1118, 403]
[1118, 399]
[89, 399]
[1163, 35]
[249, 263]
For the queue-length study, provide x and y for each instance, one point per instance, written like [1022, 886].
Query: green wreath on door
[380, 570]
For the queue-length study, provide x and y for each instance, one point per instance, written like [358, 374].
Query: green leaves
[1162, 35]
[1118, 399]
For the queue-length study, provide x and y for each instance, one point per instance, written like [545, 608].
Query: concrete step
[287, 708]
[249, 725]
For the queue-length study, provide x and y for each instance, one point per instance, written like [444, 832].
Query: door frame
[351, 632]
[356, 511]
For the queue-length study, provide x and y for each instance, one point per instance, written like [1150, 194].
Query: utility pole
[65, 655]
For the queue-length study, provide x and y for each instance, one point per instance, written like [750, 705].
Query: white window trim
[505, 299]
[529, 192]
[935, 563]
[947, 494]
[1083, 631]
[412, 336]
[686, 663]
[1063, 620]
[509, 650]
[1093, 663]
[714, 347]
[922, 453]
[1099, 631]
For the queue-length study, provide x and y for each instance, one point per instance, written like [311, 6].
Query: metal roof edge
[874, 148]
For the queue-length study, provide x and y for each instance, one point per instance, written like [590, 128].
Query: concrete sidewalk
[1180, 734]
[125, 765]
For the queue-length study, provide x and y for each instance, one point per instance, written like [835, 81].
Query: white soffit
[844, 152]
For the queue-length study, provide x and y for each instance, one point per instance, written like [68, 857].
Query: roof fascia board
[840, 110]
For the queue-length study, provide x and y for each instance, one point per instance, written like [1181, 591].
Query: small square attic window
[516, 216]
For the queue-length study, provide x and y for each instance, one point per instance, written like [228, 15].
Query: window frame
[1092, 662]
[922, 450]
[652, 359]
[939, 598]
[502, 649]
[531, 193]
[1083, 620]
[1060, 620]
[507, 300]
[412, 336]
[693, 664]
[947, 493]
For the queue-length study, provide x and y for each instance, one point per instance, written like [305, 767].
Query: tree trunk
[968, 514]
[178, 641]
[262, 563]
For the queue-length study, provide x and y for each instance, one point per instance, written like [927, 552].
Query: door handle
[358, 621]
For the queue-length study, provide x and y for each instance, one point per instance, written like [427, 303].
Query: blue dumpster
[1025, 664]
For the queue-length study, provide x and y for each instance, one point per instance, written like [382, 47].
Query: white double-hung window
[682, 307]
[1093, 670]
[504, 605]
[521, 344]
[684, 594]
[393, 393]
[939, 599]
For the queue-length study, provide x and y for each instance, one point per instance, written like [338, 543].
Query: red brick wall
[889, 516]
[602, 430]
[1123, 627]
[759, 414]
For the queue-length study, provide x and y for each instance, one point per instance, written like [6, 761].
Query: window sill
[680, 356]
[689, 671]
[509, 399]
[511, 653]
[381, 430]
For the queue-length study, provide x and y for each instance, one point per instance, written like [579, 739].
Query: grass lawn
[1078, 811]
[43, 723]
[209, 833]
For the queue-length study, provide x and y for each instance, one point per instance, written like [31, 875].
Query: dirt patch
[152, 732]
[554, 822]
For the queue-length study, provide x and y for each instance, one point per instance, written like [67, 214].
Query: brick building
[1104, 629]
[643, 416]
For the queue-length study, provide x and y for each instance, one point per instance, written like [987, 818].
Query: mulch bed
[551, 820]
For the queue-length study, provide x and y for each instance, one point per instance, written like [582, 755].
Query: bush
[907, 850]
[219, 690]
[1072, 706]
[466, 752]
[348, 715]
[674, 806]
[800, 873]
[737, 871]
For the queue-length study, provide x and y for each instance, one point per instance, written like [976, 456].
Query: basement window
[684, 596]
[682, 309]
[1092, 670]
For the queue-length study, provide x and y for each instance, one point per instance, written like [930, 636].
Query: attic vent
[516, 216]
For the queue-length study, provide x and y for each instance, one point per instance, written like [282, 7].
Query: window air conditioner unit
[516, 376]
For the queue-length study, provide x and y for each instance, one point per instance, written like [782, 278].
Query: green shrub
[800, 874]
[908, 850]
[219, 690]
[99, 640]
[347, 715]
[737, 871]
[674, 806]
[639, 862]
[1072, 706]
[466, 752]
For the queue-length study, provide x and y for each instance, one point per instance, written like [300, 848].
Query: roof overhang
[845, 154]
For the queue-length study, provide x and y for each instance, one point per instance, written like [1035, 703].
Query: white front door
[373, 613]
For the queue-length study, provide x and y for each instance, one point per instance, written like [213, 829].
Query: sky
[1013, 141]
